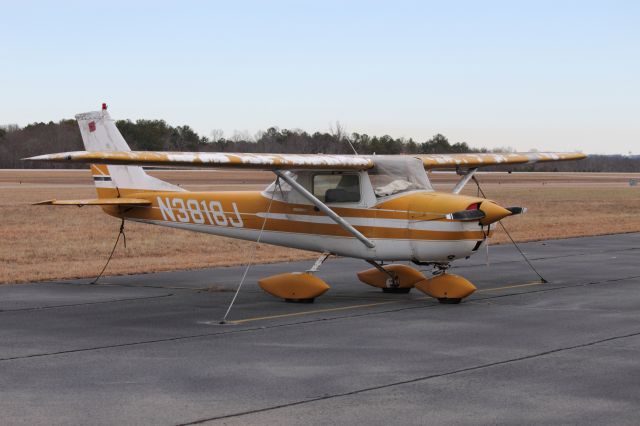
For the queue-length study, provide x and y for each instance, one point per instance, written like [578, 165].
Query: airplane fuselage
[410, 226]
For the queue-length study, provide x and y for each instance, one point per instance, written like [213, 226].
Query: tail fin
[99, 133]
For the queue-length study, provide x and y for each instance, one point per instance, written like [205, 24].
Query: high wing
[295, 161]
[445, 161]
[213, 160]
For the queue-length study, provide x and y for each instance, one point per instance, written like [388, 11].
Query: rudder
[99, 133]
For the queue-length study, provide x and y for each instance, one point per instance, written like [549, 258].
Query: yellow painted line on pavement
[510, 286]
[317, 311]
[367, 305]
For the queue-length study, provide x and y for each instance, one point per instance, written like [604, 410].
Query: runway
[148, 349]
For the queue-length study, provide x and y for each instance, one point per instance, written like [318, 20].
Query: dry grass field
[45, 242]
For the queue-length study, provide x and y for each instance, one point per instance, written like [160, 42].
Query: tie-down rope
[253, 252]
[124, 239]
[512, 240]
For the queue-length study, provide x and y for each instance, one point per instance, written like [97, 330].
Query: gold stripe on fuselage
[247, 209]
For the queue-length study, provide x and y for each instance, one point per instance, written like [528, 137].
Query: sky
[545, 75]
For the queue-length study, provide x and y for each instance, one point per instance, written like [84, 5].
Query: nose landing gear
[447, 288]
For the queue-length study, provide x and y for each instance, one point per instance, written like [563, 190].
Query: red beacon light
[104, 106]
[474, 206]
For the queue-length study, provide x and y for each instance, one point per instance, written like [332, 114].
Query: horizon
[547, 76]
[253, 138]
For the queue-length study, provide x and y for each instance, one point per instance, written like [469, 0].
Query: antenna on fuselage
[340, 134]
[352, 147]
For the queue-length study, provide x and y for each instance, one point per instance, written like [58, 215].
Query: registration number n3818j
[204, 211]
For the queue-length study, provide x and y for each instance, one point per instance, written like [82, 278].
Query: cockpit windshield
[390, 175]
[279, 189]
[393, 175]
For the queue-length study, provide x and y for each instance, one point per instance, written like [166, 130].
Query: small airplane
[378, 208]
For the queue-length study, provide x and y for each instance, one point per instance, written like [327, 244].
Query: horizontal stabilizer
[97, 202]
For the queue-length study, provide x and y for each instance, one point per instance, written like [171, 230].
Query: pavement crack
[413, 380]
[107, 284]
[69, 305]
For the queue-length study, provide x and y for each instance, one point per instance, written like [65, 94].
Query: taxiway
[149, 349]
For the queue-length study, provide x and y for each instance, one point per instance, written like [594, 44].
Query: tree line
[157, 135]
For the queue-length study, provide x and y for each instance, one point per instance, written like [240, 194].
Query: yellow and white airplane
[373, 207]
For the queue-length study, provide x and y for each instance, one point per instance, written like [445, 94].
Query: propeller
[467, 215]
[516, 210]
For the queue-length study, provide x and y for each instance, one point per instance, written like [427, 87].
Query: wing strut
[466, 177]
[325, 209]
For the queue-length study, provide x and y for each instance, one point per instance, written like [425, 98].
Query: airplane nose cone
[492, 212]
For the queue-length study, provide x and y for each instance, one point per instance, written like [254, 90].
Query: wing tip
[36, 158]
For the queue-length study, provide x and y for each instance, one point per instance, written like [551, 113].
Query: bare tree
[241, 136]
[341, 136]
[216, 135]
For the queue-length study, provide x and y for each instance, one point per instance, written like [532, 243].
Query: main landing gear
[297, 287]
[398, 278]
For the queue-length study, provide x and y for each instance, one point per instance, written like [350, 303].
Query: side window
[337, 188]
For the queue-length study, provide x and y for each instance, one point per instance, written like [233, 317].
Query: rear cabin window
[337, 188]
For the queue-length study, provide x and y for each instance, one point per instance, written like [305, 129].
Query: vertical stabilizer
[99, 133]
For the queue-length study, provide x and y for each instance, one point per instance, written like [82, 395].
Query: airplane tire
[300, 300]
[396, 290]
[448, 301]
